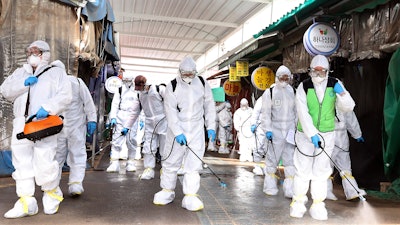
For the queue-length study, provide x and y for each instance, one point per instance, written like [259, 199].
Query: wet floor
[112, 198]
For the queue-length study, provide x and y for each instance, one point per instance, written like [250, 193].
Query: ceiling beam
[175, 19]
[161, 49]
[149, 58]
[147, 71]
[146, 65]
[167, 37]
[259, 1]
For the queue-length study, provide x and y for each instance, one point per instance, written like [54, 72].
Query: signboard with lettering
[113, 83]
[232, 74]
[321, 39]
[242, 68]
[262, 78]
[232, 88]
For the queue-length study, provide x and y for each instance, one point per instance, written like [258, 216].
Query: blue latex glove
[360, 140]
[30, 81]
[338, 88]
[253, 128]
[141, 124]
[315, 140]
[113, 122]
[124, 131]
[91, 127]
[181, 139]
[269, 135]
[41, 113]
[211, 135]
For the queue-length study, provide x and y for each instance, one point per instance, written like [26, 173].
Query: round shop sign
[232, 88]
[321, 39]
[262, 78]
[113, 83]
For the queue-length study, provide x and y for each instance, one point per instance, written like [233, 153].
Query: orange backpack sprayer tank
[36, 130]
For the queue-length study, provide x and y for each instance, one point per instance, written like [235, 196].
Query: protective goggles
[187, 74]
[35, 51]
[284, 78]
[318, 72]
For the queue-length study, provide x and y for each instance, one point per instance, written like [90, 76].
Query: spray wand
[221, 183]
[362, 198]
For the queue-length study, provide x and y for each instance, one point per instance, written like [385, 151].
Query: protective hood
[319, 61]
[187, 64]
[282, 70]
[44, 47]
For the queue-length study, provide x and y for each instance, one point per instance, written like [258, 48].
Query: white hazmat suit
[279, 120]
[242, 125]
[72, 139]
[316, 99]
[259, 135]
[224, 127]
[152, 102]
[35, 161]
[123, 112]
[189, 108]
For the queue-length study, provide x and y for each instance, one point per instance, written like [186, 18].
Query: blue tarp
[6, 167]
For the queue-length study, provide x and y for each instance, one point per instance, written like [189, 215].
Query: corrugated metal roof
[154, 35]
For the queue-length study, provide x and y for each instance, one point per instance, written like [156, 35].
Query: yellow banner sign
[232, 74]
[242, 68]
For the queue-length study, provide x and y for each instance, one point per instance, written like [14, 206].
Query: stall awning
[309, 7]
[253, 51]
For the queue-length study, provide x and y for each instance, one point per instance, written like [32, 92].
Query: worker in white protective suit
[189, 107]
[316, 100]
[279, 121]
[80, 119]
[151, 98]
[211, 144]
[122, 116]
[49, 92]
[224, 127]
[242, 125]
[345, 121]
[136, 134]
[259, 136]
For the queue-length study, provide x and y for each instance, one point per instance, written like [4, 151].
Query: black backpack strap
[270, 91]
[307, 84]
[173, 83]
[37, 76]
[331, 81]
[158, 90]
[202, 81]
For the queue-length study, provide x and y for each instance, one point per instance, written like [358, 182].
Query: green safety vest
[322, 114]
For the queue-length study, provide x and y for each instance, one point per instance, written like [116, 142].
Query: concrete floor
[112, 198]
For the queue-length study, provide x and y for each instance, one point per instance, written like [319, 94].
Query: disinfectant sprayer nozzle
[223, 184]
[362, 198]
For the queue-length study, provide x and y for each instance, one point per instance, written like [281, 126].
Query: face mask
[34, 60]
[187, 79]
[282, 84]
[318, 80]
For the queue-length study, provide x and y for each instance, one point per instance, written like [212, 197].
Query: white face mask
[187, 79]
[318, 80]
[34, 60]
[282, 84]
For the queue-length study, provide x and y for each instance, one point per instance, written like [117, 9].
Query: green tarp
[218, 94]
[391, 117]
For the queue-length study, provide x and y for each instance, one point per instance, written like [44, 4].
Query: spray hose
[221, 183]
[362, 198]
